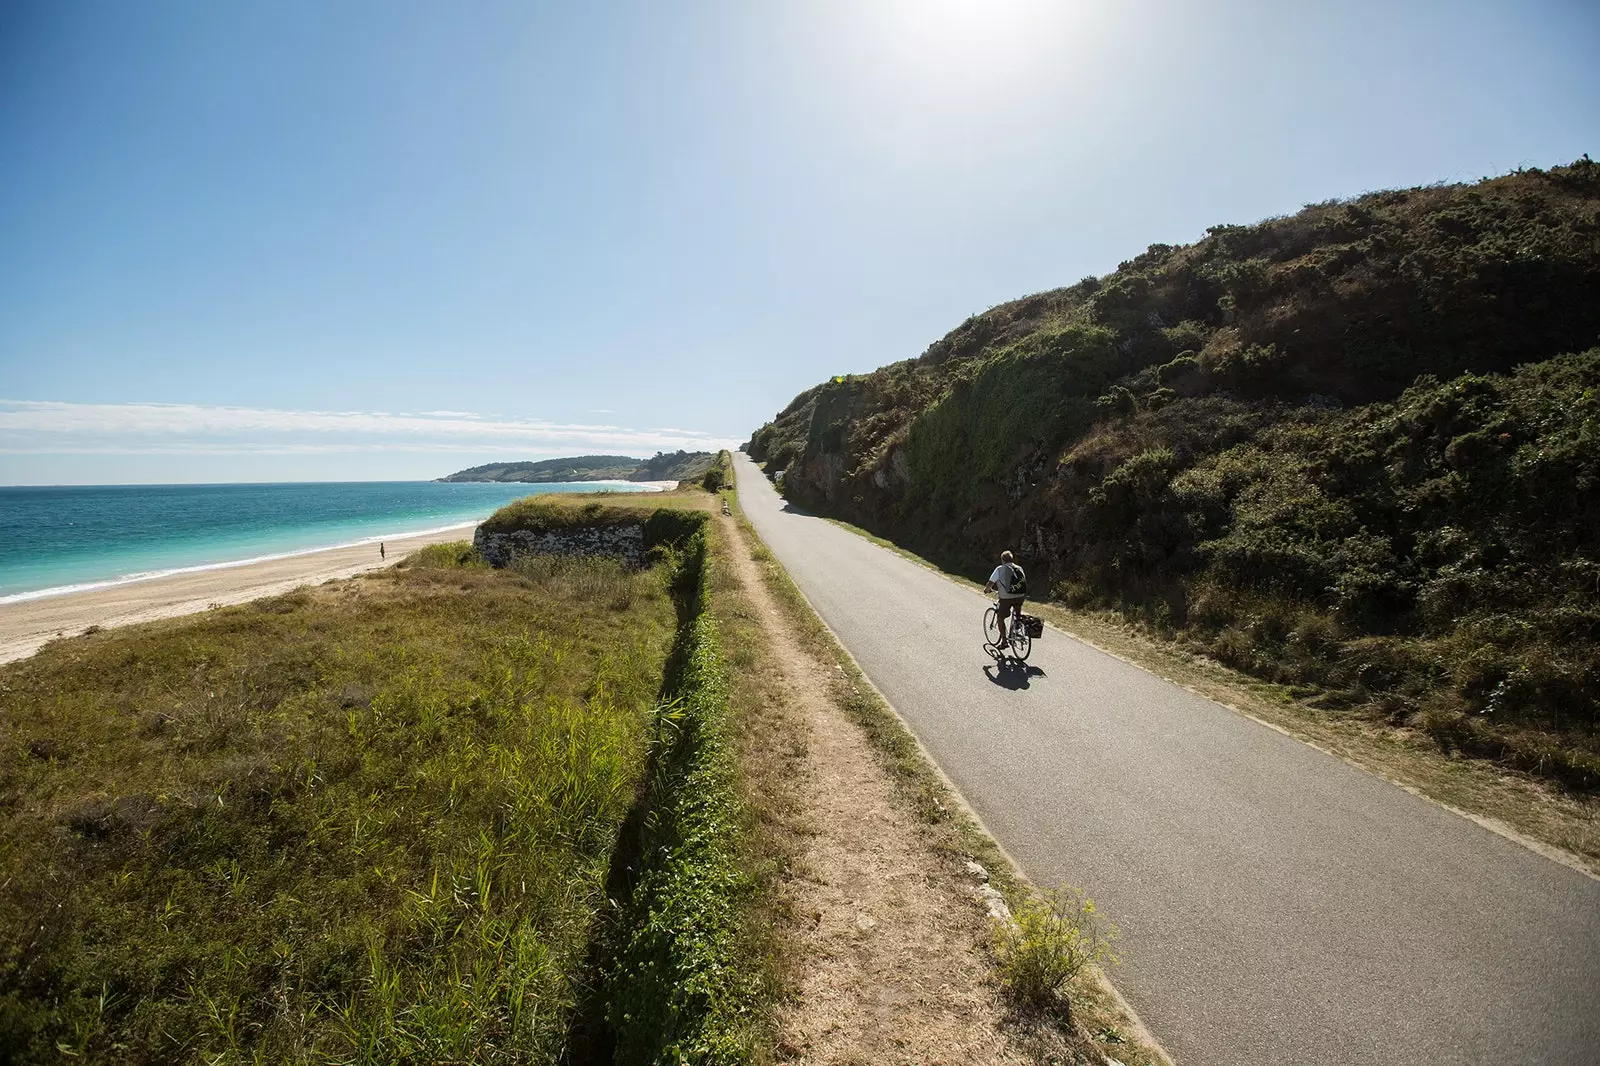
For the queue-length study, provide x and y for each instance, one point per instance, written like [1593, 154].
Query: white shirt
[1001, 578]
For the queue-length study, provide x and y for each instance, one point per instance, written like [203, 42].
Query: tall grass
[369, 823]
[589, 578]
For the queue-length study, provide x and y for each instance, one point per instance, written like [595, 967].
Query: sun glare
[978, 51]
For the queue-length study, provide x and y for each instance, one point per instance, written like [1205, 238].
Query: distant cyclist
[1012, 585]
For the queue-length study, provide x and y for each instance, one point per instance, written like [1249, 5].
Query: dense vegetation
[545, 471]
[674, 466]
[369, 822]
[683, 987]
[1356, 450]
[663, 466]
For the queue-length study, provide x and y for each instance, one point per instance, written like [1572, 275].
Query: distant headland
[664, 466]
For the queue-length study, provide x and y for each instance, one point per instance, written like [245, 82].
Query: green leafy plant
[1051, 940]
[719, 474]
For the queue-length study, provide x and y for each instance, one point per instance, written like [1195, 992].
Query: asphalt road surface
[1277, 905]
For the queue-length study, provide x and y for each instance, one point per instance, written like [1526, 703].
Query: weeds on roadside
[1051, 940]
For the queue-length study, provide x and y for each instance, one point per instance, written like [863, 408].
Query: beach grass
[367, 822]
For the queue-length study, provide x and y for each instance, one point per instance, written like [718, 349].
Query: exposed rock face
[625, 542]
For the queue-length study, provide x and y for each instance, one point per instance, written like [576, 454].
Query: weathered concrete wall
[625, 542]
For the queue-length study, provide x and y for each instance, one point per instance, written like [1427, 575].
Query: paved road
[1277, 905]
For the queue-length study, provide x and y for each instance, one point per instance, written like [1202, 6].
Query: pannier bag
[1033, 626]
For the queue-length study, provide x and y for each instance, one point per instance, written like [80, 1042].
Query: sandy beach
[27, 626]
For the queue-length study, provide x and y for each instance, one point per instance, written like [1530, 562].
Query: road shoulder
[884, 930]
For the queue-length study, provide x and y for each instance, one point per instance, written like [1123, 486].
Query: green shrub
[720, 474]
[1049, 942]
[672, 527]
[540, 514]
[454, 554]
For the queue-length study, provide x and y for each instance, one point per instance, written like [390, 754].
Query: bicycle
[1018, 642]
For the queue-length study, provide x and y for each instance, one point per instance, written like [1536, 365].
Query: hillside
[1354, 450]
[674, 466]
[663, 466]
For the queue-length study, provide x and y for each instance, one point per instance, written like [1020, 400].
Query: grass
[369, 822]
[541, 513]
[686, 983]
[663, 524]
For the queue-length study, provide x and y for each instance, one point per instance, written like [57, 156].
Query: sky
[357, 241]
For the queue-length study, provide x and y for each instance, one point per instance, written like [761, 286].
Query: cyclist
[1011, 584]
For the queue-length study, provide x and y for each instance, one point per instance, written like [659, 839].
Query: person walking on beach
[381, 553]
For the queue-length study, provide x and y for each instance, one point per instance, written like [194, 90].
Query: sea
[56, 540]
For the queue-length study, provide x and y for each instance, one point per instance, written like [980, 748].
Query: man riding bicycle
[1011, 583]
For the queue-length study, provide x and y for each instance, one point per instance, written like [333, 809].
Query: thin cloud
[53, 427]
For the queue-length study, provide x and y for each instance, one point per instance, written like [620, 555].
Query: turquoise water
[61, 539]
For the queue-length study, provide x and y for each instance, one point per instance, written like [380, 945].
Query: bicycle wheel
[1021, 643]
[991, 628]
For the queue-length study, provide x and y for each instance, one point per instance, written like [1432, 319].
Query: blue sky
[370, 240]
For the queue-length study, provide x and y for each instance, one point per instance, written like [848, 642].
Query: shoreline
[395, 536]
[28, 625]
[227, 564]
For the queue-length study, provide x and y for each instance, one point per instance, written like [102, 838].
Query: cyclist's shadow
[1009, 673]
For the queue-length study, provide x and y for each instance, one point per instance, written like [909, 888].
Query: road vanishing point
[1277, 905]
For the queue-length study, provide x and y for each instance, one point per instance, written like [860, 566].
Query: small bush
[670, 527]
[1051, 941]
[445, 556]
[719, 475]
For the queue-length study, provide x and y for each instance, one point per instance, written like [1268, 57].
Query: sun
[977, 51]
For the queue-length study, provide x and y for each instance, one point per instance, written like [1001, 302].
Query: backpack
[1019, 580]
